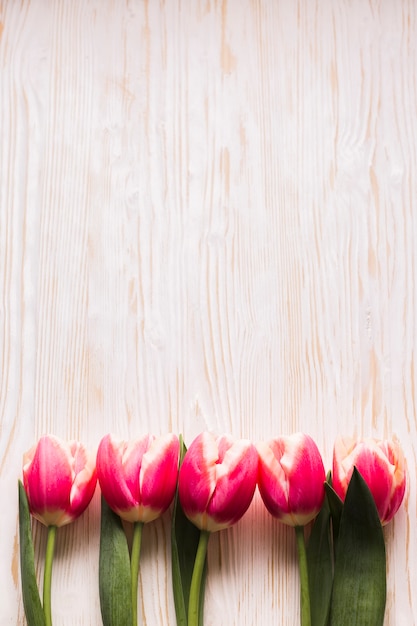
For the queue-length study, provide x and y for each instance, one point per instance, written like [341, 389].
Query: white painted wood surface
[207, 221]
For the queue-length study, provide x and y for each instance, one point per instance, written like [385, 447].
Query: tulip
[138, 481]
[291, 478]
[217, 480]
[59, 479]
[216, 484]
[291, 483]
[382, 466]
[138, 478]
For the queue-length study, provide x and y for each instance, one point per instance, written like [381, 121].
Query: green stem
[302, 562]
[200, 559]
[47, 576]
[134, 568]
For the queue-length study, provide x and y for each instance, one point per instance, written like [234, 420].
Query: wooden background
[208, 220]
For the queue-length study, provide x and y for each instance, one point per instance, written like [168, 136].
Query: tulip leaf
[336, 507]
[320, 567]
[114, 570]
[30, 592]
[359, 586]
[184, 542]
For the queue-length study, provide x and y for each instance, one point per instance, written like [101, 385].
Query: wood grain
[207, 220]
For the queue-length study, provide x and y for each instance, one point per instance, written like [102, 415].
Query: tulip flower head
[217, 480]
[291, 478]
[138, 478]
[59, 478]
[382, 466]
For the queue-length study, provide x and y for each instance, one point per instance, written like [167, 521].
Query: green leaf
[31, 600]
[114, 570]
[359, 586]
[184, 542]
[320, 567]
[336, 507]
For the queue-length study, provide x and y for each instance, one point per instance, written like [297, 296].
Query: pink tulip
[291, 478]
[59, 479]
[138, 478]
[382, 466]
[217, 480]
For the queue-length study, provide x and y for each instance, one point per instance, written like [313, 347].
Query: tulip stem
[305, 592]
[200, 559]
[47, 576]
[134, 568]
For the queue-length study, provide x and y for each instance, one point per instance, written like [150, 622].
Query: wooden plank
[207, 220]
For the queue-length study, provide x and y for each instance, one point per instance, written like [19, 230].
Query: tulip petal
[235, 484]
[132, 460]
[395, 455]
[272, 481]
[382, 465]
[377, 473]
[111, 456]
[85, 479]
[300, 460]
[138, 478]
[159, 472]
[47, 478]
[217, 480]
[59, 479]
[291, 478]
[197, 478]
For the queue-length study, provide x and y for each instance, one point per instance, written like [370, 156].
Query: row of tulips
[342, 568]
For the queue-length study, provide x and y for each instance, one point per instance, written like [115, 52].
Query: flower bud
[59, 478]
[138, 478]
[382, 466]
[217, 480]
[291, 478]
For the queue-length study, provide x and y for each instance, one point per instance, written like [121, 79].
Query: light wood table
[208, 220]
